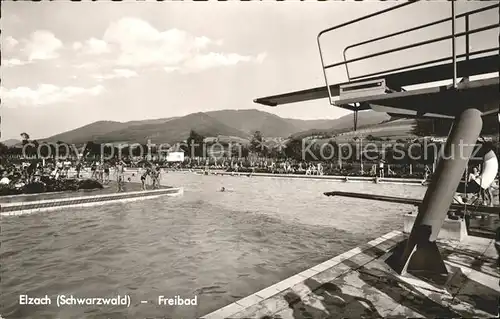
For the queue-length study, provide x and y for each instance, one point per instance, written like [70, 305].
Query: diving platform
[465, 68]
[387, 87]
[359, 284]
[470, 95]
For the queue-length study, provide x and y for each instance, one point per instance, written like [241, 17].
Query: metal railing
[467, 55]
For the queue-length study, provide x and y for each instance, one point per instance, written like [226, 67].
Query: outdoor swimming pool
[219, 246]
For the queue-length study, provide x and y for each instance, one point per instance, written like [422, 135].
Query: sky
[68, 64]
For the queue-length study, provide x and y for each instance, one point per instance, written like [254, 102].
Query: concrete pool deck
[36, 205]
[339, 178]
[109, 188]
[359, 284]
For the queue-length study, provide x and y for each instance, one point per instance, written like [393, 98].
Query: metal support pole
[420, 252]
[361, 157]
[324, 71]
[467, 40]
[453, 44]
[498, 144]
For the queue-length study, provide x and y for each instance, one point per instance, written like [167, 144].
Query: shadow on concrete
[333, 303]
[459, 286]
[476, 261]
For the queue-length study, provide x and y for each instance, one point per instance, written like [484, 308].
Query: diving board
[420, 103]
[478, 66]
[466, 101]
[478, 93]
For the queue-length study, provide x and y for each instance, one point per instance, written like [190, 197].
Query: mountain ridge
[237, 123]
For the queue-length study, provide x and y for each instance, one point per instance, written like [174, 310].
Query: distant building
[438, 139]
[210, 140]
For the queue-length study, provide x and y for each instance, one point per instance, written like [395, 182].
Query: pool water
[218, 246]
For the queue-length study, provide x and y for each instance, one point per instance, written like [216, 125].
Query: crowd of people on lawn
[17, 175]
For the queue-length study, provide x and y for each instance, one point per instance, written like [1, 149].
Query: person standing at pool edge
[120, 171]
[106, 172]
[144, 175]
[158, 176]
[381, 168]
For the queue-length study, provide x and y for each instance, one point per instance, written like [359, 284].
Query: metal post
[361, 158]
[324, 70]
[420, 252]
[346, 68]
[467, 42]
[453, 44]
[498, 143]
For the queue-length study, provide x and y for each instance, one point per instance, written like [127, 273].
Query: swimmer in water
[223, 189]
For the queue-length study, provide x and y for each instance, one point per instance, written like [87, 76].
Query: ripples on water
[220, 246]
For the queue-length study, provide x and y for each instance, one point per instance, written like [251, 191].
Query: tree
[88, 149]
[137, 150]
[244, 151]
[25, 137]
[47, 150]
[427, 127]
[490, 125]
[257, 143]
[30, 149]
[62, 149]
[195, 144]
[94, 149]
[334, 147]
[4, 149]
[370, 137]
[183, 148]
[293, 148]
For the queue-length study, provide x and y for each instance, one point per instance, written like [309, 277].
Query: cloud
[139, 44]
[86, 65]
[261, 57]
[117, 73]
[42, 45]
[77, 46]
[213, 59]
[128, 44]
[92, 46]
[9, 43]
[169, 69]
[13, 62]
[44, 94]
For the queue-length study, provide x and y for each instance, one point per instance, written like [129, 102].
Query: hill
[306, 125]
[345, 124]
[11, 142]
[249, 121]
[172, 130]
[396, 129]
[151, 121]
[238, 124]
[87, 133]
[269, 124]
[94, 131]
